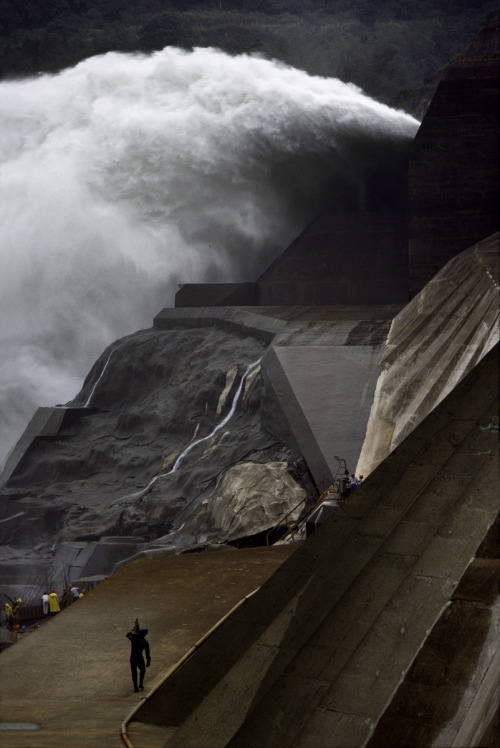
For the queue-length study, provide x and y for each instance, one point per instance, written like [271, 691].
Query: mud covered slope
[157, 437]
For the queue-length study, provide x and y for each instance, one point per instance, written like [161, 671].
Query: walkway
[72, 674]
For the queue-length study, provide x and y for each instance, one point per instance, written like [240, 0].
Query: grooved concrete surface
[316, 656]
[72, 675]
[434, 341]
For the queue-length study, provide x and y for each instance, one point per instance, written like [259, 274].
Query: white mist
[127, 175]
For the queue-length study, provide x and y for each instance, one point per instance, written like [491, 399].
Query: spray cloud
[128, 174]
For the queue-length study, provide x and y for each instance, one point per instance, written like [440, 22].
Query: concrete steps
[315, 657]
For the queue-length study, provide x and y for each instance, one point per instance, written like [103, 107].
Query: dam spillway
[337, 629]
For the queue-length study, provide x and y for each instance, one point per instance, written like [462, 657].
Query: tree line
[391, 49]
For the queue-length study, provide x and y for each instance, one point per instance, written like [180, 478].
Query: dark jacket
[139, 645]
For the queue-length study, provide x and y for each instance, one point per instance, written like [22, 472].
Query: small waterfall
[97, 382]
[249, 369]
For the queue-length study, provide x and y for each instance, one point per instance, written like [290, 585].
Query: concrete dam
[380, 628]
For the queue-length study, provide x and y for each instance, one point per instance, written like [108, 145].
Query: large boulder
[250, 499]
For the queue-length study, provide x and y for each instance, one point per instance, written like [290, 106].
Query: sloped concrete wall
[451, 694]
[434, 341]
[316, 655]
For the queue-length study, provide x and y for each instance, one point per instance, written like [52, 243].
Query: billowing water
[127, 175]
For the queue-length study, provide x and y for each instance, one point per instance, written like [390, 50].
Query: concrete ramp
[71, 677]
[316, 656]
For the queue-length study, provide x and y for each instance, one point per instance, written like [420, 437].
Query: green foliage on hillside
[165, 30]
[389, 48]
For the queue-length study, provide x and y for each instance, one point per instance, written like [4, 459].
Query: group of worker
[354, 482]
[52, 604]
[343, 487]
[347, 484]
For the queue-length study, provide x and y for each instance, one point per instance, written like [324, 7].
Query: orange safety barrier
[486, 58]
[307, 511]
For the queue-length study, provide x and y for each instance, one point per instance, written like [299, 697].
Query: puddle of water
[20, 726]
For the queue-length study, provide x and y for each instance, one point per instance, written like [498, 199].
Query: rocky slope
[169, 449]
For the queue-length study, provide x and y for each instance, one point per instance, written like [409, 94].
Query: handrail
[284, 519]
[300, 520]
[469, 58]
[177, 665]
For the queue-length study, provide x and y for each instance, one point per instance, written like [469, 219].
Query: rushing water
[126, 175]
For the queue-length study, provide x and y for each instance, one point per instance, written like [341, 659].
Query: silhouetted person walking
[137, 638]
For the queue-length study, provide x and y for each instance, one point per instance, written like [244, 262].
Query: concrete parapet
[229, 318]
[45, 424]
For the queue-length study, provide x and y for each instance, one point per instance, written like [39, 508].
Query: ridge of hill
[394, 51]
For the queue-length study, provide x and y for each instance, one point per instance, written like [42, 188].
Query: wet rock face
[249, 495]
[116, 471]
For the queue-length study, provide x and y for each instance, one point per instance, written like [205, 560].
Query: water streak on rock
[249, 370]
[97, 382]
